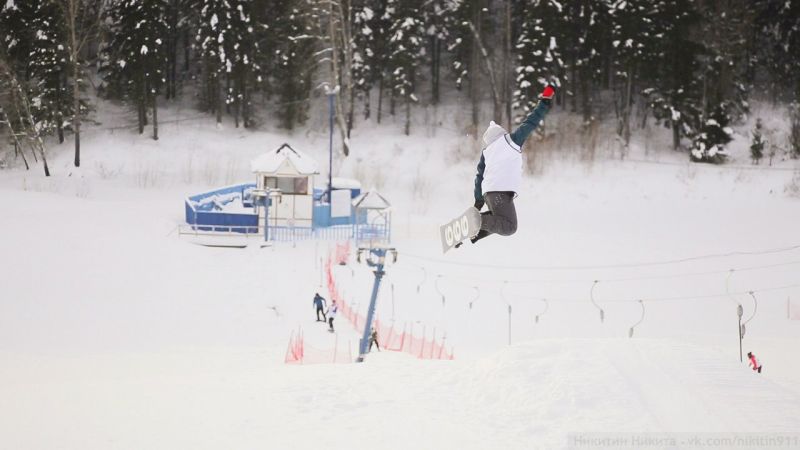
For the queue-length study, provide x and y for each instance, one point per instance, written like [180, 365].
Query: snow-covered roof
[284, 161]
[371, 200]
[346, 183]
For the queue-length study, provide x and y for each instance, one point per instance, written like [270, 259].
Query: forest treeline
[689, 65]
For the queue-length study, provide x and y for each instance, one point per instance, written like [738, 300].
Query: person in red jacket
[754, 362]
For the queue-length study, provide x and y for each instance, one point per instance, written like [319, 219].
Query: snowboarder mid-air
[500, 171]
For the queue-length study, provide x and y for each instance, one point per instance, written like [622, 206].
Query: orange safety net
[342, 253]
[294, 353]
[389, 338]
[299, 353]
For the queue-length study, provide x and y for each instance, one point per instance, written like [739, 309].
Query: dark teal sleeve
[479, 180]
[530, 123]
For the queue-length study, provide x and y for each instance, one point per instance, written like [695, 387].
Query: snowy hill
[529, 395]
[114, 332]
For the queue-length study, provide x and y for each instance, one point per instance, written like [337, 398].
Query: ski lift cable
[725, 167]
[755, 307]
[613, 280]
[728, 287]
[438, 289]
[424, 278]
[543, 312]
[673, 298]
[594, 302]
[641, 319]
[611, 266]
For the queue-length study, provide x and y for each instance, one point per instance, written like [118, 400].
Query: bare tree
[507, 59]
[334, 32]
[492, 78]
[82, 21]
[18, 101]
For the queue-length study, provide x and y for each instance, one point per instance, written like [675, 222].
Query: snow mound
[526, 396]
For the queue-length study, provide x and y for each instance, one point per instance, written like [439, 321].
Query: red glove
[547, 94]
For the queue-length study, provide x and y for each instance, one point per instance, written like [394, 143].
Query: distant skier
[331, 314]
[754, 362]
[319, 302]
[373, 339]
[499, 174]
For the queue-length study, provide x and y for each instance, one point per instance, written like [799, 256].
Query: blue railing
[289, 234]
[373, 232]
[202, 216]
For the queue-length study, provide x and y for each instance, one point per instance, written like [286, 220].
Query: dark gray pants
[502, 215]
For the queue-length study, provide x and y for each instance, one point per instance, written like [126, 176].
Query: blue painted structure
[203, 215]
[201, 211]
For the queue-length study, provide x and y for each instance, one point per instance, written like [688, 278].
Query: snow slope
[527, 396]
[115, 333]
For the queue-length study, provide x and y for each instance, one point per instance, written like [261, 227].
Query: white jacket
[503, 160]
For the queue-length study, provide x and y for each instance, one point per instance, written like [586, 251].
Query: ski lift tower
[375, 257]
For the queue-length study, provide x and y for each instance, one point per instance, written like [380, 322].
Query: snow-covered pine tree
[435, 15]
[757, 144]
[466, 21]
[723, 72]
[210, 36]
[406, 51]
[17, 35]
[136, 57]
[538, 53]
[385, 84]
[670, 85]
[632, 41]
[293, 64]
[181, 18]
[714, 134]
[262, 17]
[586, 27]
[369, 42]
[778, 23]
[460, 38]
[49, 64]
[794, 130]
[242, 69]
[227, 45]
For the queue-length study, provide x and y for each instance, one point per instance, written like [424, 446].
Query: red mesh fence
[342, 253]
[299, 353]
[294, 353]
[389, 337]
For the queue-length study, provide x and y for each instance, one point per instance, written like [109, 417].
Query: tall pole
[509, 324]
[740, 312]
[364, 343]
[331, 94]
[376, 258]
[266, 216]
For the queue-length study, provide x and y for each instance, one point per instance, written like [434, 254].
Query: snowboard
[465, 226]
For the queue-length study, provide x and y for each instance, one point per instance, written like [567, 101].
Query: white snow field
[116, 333]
